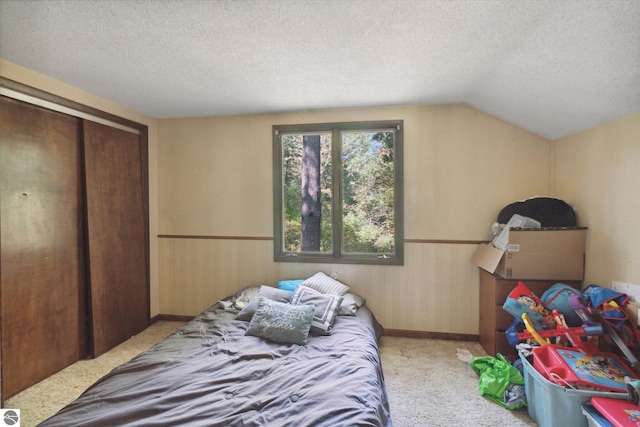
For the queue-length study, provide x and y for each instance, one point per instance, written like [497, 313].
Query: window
[338, 192]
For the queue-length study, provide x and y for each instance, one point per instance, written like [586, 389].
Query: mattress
[209, 373]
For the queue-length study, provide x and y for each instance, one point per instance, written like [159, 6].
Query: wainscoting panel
[435, 291]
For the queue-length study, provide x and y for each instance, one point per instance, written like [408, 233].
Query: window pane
[368, 192]
[338, 192]
[307, 197]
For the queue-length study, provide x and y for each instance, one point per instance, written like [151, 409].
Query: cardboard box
[633, 308]
[540, 254]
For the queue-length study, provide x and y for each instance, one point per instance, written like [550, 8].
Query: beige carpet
[429, 386]
[426, 382]
[44, 399]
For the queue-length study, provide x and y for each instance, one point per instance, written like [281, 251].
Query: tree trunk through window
[311, 210]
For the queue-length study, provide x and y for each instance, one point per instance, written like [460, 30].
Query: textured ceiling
[552, 67]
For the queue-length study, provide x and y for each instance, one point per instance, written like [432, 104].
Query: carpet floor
[427, 383]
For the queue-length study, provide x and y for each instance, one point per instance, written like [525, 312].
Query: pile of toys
[580, 341]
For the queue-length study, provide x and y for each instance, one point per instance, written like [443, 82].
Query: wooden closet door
[42, 280]
[116, 233]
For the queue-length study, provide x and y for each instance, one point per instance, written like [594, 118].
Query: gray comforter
[209, 373]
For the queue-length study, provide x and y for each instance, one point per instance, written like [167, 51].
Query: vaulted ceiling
[552, 67]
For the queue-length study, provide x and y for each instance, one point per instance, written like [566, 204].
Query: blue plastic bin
[551, 405]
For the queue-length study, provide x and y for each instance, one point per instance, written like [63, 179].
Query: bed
[215, 372]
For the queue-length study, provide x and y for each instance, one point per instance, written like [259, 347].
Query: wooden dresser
[494, 320]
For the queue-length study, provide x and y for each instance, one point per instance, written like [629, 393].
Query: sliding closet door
[42, 281]
[116, 233]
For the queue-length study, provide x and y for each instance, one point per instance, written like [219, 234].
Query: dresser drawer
[494, 320]
[504, 288]
[504, 319]
[503, 347]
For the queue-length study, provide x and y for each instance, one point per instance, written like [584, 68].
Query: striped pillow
[326, 285]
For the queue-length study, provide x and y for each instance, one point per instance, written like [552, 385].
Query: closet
[74, 240]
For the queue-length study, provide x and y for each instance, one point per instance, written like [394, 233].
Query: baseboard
[171, 317]
[432, 335]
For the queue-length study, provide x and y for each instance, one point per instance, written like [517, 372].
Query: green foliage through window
[338, 192]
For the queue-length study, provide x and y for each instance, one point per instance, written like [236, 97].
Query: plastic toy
[568, 366]
[573, 335]
[618, 412]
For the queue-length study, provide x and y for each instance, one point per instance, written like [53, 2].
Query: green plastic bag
[499, 380]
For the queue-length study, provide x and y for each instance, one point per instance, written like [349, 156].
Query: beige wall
[599, 171]
[28, 77]
[212, 177]
[461, 167]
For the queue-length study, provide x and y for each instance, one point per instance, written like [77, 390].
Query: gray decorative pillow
[326, 308]
[326, 285]
[350, 304]
[281, 322]
[269, 292]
